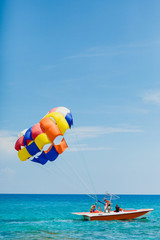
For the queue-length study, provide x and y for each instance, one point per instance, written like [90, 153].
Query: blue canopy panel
[27, 136]
[69, 119]
[44, 157]
[32, 149]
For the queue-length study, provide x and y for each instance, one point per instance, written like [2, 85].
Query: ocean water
[50, 217]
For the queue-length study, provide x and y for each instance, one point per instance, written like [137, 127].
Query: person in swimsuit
[93, 208]
[107, 206]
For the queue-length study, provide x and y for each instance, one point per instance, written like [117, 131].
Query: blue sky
[101, 60]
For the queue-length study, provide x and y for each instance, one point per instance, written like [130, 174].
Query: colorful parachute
[31, 141]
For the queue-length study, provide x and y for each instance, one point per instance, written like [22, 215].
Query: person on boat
[107, 206]
[93, 208]
[117, 208]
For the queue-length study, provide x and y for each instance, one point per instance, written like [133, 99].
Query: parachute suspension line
[52, 170]
[52, 166]
[86, 165]
[82, 182]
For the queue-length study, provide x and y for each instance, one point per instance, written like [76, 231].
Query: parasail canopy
[31, 141]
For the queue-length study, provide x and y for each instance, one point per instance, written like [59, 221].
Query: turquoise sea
[50, 217]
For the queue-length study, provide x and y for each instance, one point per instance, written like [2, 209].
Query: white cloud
[114, 50]
[80, 133]
[84, 147]
[97, 131]
[98, 52]
[7, 142]
[152, 97]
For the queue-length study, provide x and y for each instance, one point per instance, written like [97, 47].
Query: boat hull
[124, 215]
